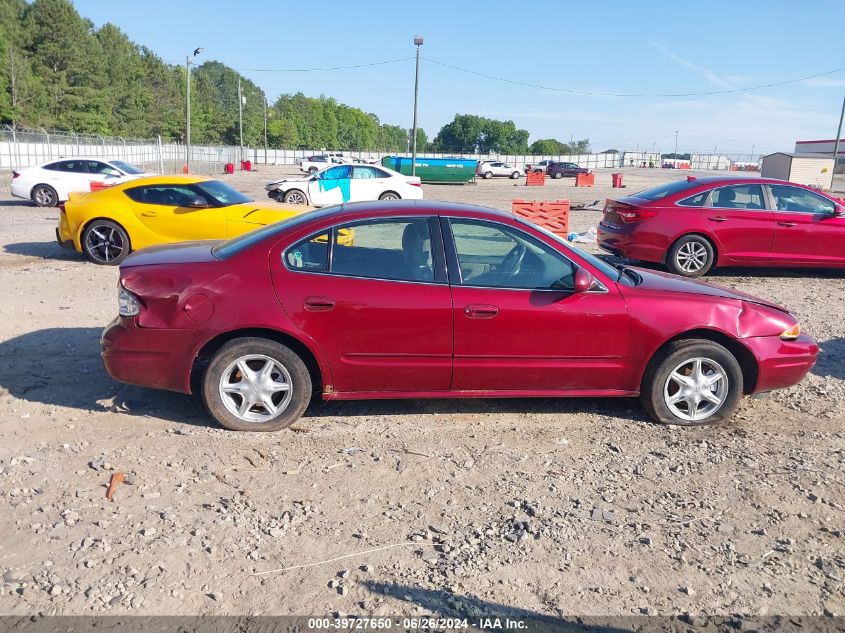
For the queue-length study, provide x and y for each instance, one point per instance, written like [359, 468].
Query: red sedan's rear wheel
[692, 382]
[255, 384]
[691, 256]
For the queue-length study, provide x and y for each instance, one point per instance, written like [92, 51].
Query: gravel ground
[552, 507]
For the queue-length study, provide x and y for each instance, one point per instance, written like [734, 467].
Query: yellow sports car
[107, 225]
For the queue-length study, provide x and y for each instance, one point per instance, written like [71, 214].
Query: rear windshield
[660, 192]
[126, 167]
[225, 250]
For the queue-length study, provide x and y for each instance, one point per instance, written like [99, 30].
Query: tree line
[58, 71]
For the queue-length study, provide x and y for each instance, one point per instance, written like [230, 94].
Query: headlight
[128, 304]
[792, 333]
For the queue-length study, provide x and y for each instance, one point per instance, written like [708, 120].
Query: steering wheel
[513, 260]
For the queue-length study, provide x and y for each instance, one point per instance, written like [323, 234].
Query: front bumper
[781, 363]
[147, 357]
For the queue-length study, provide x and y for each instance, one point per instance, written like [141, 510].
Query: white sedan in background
[346, 183]
[50, 183]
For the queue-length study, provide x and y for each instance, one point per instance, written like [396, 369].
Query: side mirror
[583, 280]
[197, 203]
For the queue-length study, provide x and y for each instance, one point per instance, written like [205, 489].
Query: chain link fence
[21, 147]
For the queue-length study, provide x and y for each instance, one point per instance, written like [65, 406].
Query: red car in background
[407, 299]
[692, 225]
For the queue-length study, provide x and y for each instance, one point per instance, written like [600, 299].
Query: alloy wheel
[44, 197]
[255, 388]
[104, 243]
[691, 257]
[294, 197]
[696, 389]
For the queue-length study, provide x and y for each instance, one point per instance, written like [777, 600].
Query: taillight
[128, 304]
[15, 175]
[631, 216]
[415, 184]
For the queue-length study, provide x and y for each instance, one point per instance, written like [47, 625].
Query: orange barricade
[551, 215]
[585, 180]
[535, 179]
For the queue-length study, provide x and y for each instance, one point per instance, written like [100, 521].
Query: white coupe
[346, 183]
[50, 183]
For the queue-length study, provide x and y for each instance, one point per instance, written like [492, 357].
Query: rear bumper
[623, 241]
[781, 363]
[155, 358]
[68, 244]
[20, 191]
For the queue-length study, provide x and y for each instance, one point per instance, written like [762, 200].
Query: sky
[620, 47]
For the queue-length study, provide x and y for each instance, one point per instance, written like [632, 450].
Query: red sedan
[693, 225]
[433, 300]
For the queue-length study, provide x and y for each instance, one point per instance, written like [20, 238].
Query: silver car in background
[489, 168]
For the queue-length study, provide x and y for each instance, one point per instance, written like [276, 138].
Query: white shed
[813, 170]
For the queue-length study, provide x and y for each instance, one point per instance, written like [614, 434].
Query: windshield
[656, 193]
[127, 168]
[602, 265]
[227, 249]
[222, 193]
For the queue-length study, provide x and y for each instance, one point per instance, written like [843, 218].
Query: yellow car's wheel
[105, 242]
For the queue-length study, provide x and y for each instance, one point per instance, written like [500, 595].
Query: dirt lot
[551, 507]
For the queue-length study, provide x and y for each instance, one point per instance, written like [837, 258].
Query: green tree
[71, 63]
[548, 147]
[471, 133]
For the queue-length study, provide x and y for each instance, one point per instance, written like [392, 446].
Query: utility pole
[241, 118]
[188, 64]
[752, 153]
[418, 41]
[676, 144]
[836, 144]
[265, 129]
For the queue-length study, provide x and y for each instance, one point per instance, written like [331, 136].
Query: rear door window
[393, 249]
[738, 197]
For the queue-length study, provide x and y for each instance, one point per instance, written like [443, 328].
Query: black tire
[691, 256]
[313, 170]
[44, 196]
[390, 195]
[557, 175]
[294, 196]
[105, 243]
[656, 386]
[515, 175]
[488, 175]
[298, 379]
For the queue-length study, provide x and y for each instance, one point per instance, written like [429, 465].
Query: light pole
[676, 145]
[418, 41]
[188, 64]
[836, 144]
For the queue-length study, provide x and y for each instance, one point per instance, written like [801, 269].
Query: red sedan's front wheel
[692, 382]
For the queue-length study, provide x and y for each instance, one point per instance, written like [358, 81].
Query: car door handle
[786, 223]
[149, 214]
[318, 304]
[718, 218]
[480, 311]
